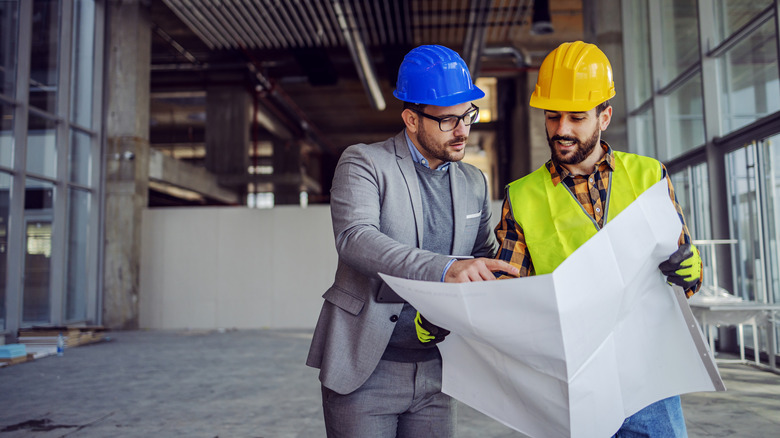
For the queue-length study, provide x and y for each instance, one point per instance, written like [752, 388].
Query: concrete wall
[211, 267]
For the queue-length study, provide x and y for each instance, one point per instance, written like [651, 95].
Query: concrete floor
[255, 384]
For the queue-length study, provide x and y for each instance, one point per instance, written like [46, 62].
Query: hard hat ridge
[435, 75]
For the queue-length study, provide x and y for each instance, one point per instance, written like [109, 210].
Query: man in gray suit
[405, 207]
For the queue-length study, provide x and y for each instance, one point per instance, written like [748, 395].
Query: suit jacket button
[394, 318]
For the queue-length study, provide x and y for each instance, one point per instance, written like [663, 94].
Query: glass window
[686, 119]
[9, 17]
[691, 187]
[80, 157]
[749, 79]
[642, 133]
[82, 62]
[771, 178]
[638, 55]
[745, 220]
[699, 223]
[42, 146]
[680, 32]
[36, 296]
[771, 170]
[731, 15]
[45, 51]
[6, 135]
[78, 230]
[5, 202]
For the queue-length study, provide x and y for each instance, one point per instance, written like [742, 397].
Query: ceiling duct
[357, 50]
[475, 35]
[521, 58]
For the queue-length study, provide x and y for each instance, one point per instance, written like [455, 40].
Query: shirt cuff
[446, 268]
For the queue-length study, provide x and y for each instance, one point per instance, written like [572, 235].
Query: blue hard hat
[435, 75]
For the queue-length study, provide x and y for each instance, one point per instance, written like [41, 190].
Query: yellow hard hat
[574, 77]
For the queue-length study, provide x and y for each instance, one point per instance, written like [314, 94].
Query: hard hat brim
[564, 104]
[451, 100]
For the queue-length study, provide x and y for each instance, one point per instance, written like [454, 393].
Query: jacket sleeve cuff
[443, 274]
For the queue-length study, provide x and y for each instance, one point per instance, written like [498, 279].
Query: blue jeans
[662, 419]
[398, 400]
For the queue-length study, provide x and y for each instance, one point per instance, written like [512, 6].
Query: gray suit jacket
[376, 208]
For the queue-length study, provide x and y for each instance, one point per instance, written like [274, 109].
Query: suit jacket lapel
[406, 164]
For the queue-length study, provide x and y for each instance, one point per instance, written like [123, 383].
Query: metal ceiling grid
[285, 24]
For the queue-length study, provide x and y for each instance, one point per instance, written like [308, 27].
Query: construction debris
[37, 342]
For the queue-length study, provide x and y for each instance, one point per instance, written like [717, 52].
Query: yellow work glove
[428, 332]
[683, 268]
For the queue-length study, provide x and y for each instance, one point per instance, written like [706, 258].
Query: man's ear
[605, 117]
[410, 120]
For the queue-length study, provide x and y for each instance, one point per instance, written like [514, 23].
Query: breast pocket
[344, 300]
[472, 221]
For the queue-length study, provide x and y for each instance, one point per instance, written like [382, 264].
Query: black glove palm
[683, 267]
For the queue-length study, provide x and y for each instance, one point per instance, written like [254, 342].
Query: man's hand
[481, 269]
[428, 332]
[683, 267]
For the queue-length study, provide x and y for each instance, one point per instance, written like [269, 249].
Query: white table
[713, 312]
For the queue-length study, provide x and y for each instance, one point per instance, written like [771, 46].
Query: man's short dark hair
[601, 107]
[415, 106]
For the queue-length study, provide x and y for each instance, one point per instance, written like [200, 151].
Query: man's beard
[579, 154]
[439, 151]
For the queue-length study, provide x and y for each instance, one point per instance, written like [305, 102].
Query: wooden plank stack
[73, 335]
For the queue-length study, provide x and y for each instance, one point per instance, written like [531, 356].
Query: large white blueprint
[575, 352]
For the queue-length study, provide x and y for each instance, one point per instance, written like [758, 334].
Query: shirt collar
[418, 158]
[558, 173]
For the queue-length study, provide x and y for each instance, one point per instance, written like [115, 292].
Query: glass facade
[639, 42]
[48, 142]
[744, 216]
[77, 255]
[685, 119]
[679, 40]
[749, 79]
[9, 19]
[644, 136]
[44, 62]
[42, 146]
[38, 221]
[754, 188]
[82, 75]
[5, 203]
[731, 15]
[6, 135]
[771, 202]
[691, 186]
[715, 101]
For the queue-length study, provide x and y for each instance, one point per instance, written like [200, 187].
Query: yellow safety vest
[555, 224]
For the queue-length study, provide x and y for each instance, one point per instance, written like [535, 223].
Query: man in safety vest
[549, 213]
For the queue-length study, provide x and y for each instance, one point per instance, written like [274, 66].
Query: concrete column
[228, 110]
[287, 171]
[127, 157]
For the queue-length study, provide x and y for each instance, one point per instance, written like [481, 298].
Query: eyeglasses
[447, 124]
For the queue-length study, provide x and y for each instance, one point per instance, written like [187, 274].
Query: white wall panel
[208, 268]
[205, 268]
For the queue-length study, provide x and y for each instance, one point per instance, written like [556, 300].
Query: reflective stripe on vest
[555, 224]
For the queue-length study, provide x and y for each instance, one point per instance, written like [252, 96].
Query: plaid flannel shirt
[591, 193]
